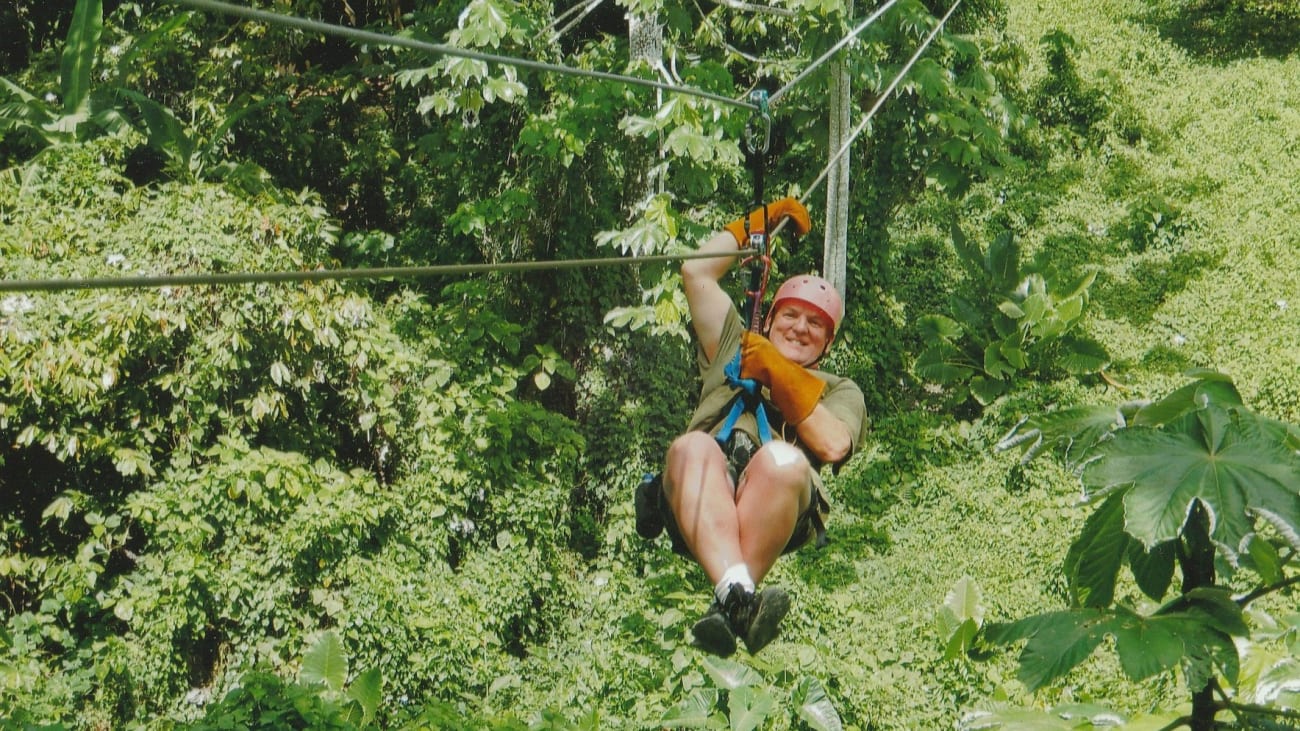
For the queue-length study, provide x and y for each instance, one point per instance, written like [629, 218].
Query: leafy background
[406, 504]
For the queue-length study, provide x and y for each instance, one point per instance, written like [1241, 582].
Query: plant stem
[1263, 590]
[1262, 710]
[1176, 723]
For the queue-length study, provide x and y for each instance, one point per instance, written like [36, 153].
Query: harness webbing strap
[750, 397]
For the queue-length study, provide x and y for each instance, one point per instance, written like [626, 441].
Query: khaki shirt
[842, 397]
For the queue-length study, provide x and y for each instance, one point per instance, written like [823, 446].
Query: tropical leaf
[1193, 637]
[78, 57]
[367, 691]
[1002, 261]
[1209, 387]
[1057, 642]
[1082, 355]
[815, 709]
[325, 663]
[943, 363]
[960, 618]
[1096, 556]
[695, 711]
[1154, 569]
[1218, 457]
[750, 707]
[729, 675]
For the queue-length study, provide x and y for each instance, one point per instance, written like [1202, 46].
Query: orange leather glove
[776, 210]
[794, 390]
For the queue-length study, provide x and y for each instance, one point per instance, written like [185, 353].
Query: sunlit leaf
[815, 709]
[1212, 455]
[326, 663]
[729, 674]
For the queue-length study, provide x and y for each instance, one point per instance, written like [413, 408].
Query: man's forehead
[804, 308]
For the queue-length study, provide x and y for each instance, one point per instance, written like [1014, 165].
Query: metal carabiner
[761, 115]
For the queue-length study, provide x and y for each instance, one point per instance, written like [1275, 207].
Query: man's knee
[692, 447]
[783, 461]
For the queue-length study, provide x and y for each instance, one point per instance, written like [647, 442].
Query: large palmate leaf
[1096, 556]
[1076, 431]
[1194, 632]
[1222, 458]
[1210, 387]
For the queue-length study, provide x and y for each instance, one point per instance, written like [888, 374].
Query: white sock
[735, 574]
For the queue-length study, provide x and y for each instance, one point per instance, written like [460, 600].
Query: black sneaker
[713, 632]
[646, 500]
[756, 618]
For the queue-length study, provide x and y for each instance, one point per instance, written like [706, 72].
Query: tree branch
[1262, 710]
[1177, 722]
[1264, 590]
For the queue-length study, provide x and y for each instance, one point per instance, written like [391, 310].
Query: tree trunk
[836, 247]
[1196, 560]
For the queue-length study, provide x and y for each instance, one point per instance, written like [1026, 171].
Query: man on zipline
[735, 502]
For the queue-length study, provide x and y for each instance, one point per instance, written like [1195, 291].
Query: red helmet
[815, 292]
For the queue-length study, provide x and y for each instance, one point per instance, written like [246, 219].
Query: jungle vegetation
[405, 501]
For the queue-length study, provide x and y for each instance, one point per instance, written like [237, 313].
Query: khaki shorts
[811, 523]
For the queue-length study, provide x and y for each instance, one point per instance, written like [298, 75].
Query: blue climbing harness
[749, 397]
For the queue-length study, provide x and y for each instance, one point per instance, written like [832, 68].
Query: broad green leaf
[1218, 457]
[1076, 431]
[1154, 569]
[1011, 309]
[1149, 646]
[1213, 606]
[963, 600]
[1094, 559]
[1014, 719]
[78, 58]
[995, 365]
[1210, 387]
[1082, 355]
[987, 390]
[1002, 261]
[367, 689]
[1014, 354]
[969, 254]
[325, 662]
[750, 707]
[960, 618]
[942, 363]
[960, 640]
[815, 709]
[1262, 558]
[938, 327]
[1057, 642]
[973, 318]
[696, 711]
[1035, 307]
[729, 674]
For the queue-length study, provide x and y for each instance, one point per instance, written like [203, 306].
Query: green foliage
[222, 471]
[981, 352]
[737, 700]
[1185, 483]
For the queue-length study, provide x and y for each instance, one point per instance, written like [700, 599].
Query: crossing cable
[381, 39]
[879, 102]
[776, 96]
[587, 7]
[315, 275]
